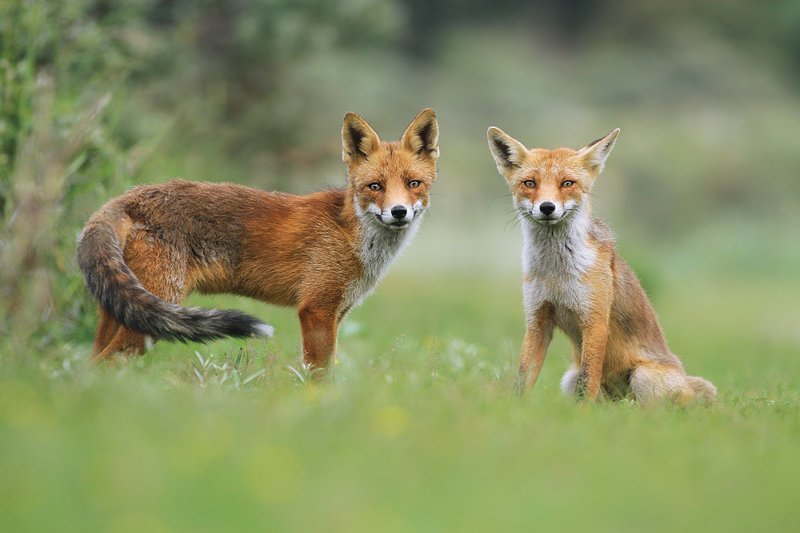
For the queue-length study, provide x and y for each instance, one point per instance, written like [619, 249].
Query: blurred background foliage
[97, 95]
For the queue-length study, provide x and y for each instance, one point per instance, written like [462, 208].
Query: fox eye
[413, 184]
[529, 184]
[374, 186]
[567, 183]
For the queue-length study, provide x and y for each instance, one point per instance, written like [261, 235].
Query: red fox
[574, 279]
[143, 252]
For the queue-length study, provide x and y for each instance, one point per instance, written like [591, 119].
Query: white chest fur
[378, 247]
[555, 259]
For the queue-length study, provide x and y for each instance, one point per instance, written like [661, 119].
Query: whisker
[517, 219]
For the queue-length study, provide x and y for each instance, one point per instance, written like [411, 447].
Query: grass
[418, 429]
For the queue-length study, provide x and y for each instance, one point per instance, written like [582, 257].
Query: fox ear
[507, 151]
[595, 153]
[359, 140]
[422, 135]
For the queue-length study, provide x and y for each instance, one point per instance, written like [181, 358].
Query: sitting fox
[574, 279]
[142, 253]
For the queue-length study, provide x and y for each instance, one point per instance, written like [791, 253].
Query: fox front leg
[593, 353]
[319, 326]
[538, 335]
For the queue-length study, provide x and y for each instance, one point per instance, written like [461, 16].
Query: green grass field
[418, 429]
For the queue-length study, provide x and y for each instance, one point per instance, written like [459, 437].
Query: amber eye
[567, 183]
[413, 184]
[374, 186]
[529, 184]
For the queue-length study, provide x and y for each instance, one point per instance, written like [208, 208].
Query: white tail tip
[264, 330]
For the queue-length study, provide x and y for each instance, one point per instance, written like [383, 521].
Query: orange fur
[148, 249]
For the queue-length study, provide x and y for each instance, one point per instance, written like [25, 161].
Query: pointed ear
[422, 135]
[596, 152]
[359, 140]
[508, 152]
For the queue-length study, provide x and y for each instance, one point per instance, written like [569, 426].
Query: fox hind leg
[162, 272]
[107, 328]
[125, 341]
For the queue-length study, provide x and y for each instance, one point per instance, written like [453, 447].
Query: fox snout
[399, 212]
[397, 216]
[548, 211]
[547, 208]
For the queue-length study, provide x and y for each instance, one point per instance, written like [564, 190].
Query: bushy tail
[121, 294]
[702, 388]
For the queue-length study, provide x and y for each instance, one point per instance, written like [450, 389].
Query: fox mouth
[395, 226]
[548, 221]
[544, 220]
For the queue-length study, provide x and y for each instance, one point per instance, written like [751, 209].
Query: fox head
[391, 181]
[549, 186]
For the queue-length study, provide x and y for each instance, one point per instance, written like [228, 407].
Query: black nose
[546, 208]
[399, 211]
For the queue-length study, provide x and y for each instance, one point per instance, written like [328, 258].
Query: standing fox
[574, 279]
[142, 253]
